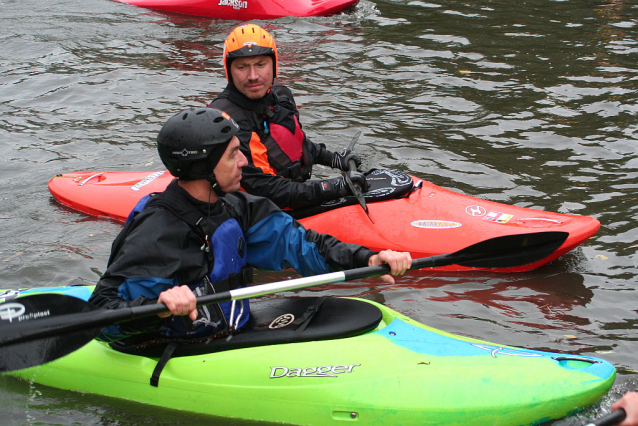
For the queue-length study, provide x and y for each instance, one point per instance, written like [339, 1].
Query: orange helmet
[249, 40]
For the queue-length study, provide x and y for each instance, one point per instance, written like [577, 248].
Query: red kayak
[405, 213]
[245, 10]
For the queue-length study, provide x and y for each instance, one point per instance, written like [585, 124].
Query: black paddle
[610, 419]
[355, 187]
[43, 327]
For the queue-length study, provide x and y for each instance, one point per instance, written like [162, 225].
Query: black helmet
[191, 143]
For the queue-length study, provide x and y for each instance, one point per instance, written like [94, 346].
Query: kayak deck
[400, 373]
[429, 221]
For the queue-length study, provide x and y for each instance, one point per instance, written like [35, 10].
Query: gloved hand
[339, 186]
[360, 179]
[341, 159]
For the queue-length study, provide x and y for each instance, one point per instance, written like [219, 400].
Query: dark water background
[531, 103]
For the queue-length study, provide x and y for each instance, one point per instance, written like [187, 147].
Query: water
[528, 103]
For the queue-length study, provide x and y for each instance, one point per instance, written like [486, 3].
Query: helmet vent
[185, 116]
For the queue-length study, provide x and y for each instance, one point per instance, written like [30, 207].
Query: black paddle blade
[500, 252]
[511, 250]
[21, 347]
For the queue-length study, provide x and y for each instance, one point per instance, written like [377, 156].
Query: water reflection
[554, 296]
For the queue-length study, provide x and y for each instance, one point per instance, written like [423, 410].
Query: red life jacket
[271, 132]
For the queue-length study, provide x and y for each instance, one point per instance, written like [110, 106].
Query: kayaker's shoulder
[252, 205]
[282, 90]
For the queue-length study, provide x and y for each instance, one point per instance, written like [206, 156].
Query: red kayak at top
[245, 10]
[421, 218]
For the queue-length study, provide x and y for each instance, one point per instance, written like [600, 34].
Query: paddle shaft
[460, 257]
[354, 140]
[504, 251]
[355, 187]
[610, 419]
[106, 317]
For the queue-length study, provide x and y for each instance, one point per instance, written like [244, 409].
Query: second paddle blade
[511, 250]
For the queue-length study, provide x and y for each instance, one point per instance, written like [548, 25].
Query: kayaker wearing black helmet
[280, 155]
[201, 236]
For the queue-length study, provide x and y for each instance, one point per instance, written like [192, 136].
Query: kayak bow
[427, 221]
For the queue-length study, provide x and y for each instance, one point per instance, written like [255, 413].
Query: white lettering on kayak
[325, 371]
[148, 179]
[235, 4]
[435, 224]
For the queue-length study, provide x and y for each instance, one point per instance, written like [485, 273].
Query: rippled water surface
[531, 103]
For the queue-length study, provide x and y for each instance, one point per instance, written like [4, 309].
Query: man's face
[228, 170]
[252, 76]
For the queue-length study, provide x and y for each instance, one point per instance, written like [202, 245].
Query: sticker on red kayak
[475, 210]
[148, 179]
[235, 4]
[498, 217]
[435, 224]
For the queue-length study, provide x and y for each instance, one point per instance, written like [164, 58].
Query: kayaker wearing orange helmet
[280, 155]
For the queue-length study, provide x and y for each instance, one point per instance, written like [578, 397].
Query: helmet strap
[214, 185]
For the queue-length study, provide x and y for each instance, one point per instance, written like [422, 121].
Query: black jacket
[158, 249]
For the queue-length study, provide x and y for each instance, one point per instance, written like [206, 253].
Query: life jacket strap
[240, 279]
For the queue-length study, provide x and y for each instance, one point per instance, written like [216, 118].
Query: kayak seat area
[385, 184]
[276, 321]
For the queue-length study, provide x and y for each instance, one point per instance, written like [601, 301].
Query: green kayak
[331, 361]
